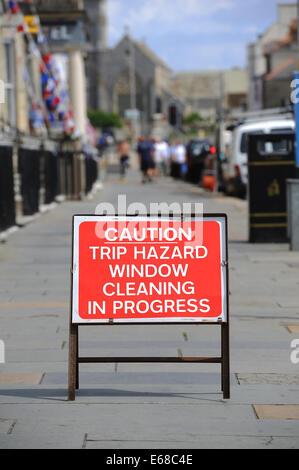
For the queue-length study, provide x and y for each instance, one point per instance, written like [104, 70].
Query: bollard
[29, 169]
[271, 161]
[50, 176]
[293, 213]
[7, 201]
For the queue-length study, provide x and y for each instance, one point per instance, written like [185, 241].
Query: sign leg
[72, 362]
[77, 355]
[225, 366]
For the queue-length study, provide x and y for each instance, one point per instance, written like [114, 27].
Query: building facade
[37, 164]
[205, 92]
[271, 53]
[15, 65]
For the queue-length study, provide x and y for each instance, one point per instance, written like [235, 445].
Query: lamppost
[131, 56]
[132, 74]
[219, 135]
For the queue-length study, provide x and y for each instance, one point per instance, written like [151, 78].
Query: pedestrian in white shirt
[161, 156]
[179, 159]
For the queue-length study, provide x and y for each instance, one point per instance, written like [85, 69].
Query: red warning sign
[131, 269]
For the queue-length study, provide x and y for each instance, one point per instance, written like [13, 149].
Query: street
[123, 406]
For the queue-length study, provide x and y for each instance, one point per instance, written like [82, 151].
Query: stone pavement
[146, 405]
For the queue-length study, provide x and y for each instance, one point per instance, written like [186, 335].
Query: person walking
[161, 157]
[124, 151]
[152, 171]
[180, 159]
[146, 151]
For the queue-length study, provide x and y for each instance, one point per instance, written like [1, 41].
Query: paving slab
[272, 379]
[6, 426]
[294, 329]
[21, 379]
[282, 412]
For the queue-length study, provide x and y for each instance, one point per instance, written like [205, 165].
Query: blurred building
[281, 60]
[204, 92]
[199, 90]
[272, 61]
[127, 76]
[151, 80]
[132, 76]
[37, 98]
[235, 89]
[19, 73]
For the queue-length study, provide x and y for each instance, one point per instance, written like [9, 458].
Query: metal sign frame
[75, 360]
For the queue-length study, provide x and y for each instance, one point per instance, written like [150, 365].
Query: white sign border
[79, 219]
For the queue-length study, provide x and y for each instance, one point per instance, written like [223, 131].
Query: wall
[255, 53]
[199, 91]
[235, 88]
[235, 81]
[276, 93]
[280, 56]
[115, 62]
[162, 79]
[19, 115]
[286, 12]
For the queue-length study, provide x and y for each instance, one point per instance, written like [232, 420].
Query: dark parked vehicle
[197, 151]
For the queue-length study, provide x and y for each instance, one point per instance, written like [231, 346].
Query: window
[158, 105]
[243, 145]
[9, 78]
[283, 130]
[281, 146]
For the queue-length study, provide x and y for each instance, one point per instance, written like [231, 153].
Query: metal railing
[39, 174]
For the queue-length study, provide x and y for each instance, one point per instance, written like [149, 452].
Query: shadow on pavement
[60, 395]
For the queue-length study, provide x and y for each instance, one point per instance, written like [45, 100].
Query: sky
[194, 34]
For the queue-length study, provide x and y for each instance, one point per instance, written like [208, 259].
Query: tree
[192, 119]
[194, 122]
[101, 119]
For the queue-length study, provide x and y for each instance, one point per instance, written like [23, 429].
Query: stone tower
[103, 25]
[96, 11]
[97, 27]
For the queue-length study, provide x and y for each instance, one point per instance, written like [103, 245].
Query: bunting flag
[13, 7]
[55, 107]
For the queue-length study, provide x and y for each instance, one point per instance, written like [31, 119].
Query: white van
[238, 161]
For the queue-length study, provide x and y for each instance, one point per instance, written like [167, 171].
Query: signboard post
[141, 270]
